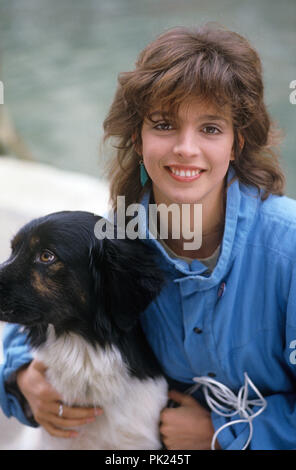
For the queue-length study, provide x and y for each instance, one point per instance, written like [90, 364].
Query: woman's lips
[183, 173]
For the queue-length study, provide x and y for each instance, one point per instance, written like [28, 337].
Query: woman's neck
[208, 228]
[210, 243]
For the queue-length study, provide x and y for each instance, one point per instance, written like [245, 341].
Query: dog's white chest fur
[84, 376]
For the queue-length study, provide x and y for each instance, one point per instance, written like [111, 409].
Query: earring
[143, 174]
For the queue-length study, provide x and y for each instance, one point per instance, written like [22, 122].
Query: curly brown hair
[211, 63]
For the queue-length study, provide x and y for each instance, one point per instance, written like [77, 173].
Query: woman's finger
[70, 423]
[72, 412]
[63, 423]
[71, 416]
[40, 366]
[57, 432]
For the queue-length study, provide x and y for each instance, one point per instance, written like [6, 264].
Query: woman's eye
[45, 257]
[163, 126]
[211, 130]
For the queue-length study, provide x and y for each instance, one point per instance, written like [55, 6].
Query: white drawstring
[217, 395]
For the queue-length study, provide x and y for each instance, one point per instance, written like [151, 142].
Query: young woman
[191, 127]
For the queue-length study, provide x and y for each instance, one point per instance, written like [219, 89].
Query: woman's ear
[240, 142]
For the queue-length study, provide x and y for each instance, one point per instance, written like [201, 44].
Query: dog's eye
[45, 257]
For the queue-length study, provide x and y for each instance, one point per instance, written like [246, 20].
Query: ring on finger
[61, 410]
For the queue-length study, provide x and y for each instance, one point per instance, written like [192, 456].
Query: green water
[60, 59]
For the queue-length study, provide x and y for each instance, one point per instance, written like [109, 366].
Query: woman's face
[187, 156]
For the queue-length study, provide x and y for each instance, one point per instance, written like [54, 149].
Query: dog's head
[59, 273]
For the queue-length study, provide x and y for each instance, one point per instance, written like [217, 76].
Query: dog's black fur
[59, 273]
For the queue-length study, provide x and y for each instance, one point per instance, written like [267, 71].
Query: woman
[191, 128]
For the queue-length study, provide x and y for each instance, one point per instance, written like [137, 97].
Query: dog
[79, 299]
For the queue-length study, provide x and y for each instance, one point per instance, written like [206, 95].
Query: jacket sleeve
[16, 352]
[275, 427]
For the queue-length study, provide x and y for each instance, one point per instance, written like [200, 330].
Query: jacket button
[197, 330]
[212, 374]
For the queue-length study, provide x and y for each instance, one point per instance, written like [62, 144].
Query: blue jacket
[239, 319]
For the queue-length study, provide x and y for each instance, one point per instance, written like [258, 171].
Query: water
[60, 60]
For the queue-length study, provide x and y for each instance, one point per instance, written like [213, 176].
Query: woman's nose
[187, 145]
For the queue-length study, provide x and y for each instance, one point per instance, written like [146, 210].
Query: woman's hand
[188, 426]
[45, 403]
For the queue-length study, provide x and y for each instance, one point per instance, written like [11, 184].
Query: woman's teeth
[185, 173]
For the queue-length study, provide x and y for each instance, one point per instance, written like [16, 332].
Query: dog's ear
[126, 280]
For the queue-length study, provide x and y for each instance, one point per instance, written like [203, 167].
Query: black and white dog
[79, 300]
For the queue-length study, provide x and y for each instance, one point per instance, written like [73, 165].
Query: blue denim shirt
[241, 318]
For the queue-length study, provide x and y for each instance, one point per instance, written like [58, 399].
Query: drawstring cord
[224, 402]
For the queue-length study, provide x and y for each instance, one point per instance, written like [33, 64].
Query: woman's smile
[184, 173]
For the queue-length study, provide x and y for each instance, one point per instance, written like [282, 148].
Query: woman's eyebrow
[210, 117]
[155, 115]
[214, 117]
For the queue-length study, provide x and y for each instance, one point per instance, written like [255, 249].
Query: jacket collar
[241, 205]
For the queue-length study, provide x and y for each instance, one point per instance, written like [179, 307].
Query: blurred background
[59, 62]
